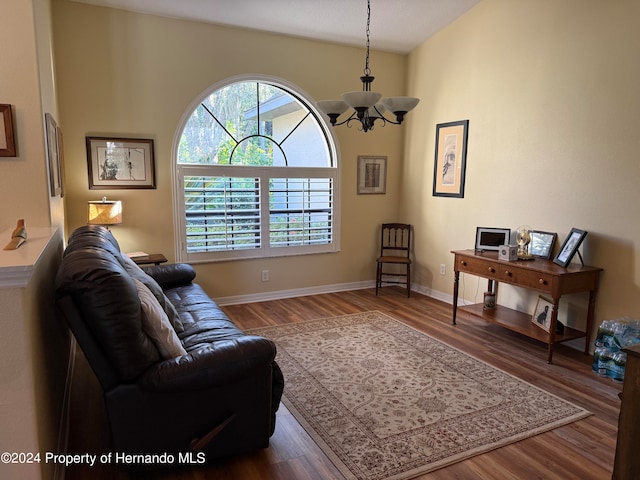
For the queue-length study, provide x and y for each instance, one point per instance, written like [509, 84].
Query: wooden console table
[539, 274]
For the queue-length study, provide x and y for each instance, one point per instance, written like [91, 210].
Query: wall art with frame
[570, 247]
[450, 161]
[119, 163]
[7, 133]
[53, 155]
[372, 174]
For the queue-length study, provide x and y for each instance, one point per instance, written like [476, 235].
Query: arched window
[257, 174]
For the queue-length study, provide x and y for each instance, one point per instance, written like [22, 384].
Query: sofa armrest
[172, 275]
[215, 364]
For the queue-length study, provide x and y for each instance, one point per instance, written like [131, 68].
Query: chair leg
[378, 277]
[408, 281]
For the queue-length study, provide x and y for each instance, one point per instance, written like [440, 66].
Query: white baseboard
[296, 292]
[340, 287]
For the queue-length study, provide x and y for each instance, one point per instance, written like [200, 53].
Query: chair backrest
[396, 239]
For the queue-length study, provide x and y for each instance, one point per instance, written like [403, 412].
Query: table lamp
[104, 212]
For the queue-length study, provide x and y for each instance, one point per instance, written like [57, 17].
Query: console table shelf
[540, 275]
[519, 322]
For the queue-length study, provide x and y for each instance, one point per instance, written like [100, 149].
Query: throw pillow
[137, 273]
[155, 323]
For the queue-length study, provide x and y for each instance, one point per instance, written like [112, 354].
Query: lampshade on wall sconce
[367, 106]
[104, 212]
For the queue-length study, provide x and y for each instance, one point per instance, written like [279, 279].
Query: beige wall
[122, 73]
[551, 93]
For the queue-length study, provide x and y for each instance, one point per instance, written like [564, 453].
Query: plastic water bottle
[617, 367]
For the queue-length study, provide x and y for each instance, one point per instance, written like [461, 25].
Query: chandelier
[367, 106]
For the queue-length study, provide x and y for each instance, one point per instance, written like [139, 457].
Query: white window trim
[177, 176]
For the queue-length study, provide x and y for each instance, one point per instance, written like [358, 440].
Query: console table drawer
[527, 278]
[480, 267]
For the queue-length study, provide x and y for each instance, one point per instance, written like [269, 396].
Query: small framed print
[542, 315]
[450, 161]
[542, 243]
[118, 163]
[7, 136]
[372, 174]
[570, 247]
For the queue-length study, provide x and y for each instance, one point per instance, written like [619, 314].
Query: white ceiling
[396, 25]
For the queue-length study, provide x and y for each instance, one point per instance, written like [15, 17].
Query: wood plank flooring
[582, 450]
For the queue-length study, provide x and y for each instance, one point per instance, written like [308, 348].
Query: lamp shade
[333, 106]
[400, 104]
[104, 212]
[362, 100]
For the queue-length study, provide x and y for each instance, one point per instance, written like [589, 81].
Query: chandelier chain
[367, 71]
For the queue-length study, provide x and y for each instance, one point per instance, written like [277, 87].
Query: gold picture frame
[372, 175]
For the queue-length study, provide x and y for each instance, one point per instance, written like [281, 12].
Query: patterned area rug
[385, 401]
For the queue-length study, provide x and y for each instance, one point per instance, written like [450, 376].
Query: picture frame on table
[120, 163]
[450, 162]
[372, 175]
[542, 243]
[570, 247]
[7, 132]
[542, 314]
[53, 155]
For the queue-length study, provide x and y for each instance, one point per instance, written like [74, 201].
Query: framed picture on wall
[7, 137]
[117, 163]
[450, 161]
[53, 159]
[372, 174]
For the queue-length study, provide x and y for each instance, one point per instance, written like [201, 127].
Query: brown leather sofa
[219, 396]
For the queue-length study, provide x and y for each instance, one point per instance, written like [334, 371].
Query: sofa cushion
[137, 273]
[155, 323]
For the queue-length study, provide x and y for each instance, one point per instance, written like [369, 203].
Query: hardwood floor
[582, 450]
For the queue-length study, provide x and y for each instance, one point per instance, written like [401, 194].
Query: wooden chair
[395, 249]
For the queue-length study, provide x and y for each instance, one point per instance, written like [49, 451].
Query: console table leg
[456, 279]
[590, 313]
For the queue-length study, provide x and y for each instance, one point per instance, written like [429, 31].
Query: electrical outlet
[265, 275]
[442, 269]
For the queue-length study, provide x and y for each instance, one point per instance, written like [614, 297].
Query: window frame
[180, 171]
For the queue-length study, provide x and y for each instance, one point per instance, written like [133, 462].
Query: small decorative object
[489, 301]
[489, 238]
[7, 136]
[18, 236]
[508, 253]
[542, 243]
[120, 163]
[570, 247]
[451, 159]
[104, 212]
[542, 314]
[523, 238]
[53, 155]
[372, 174]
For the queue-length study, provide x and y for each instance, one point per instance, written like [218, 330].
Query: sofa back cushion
[93, 276]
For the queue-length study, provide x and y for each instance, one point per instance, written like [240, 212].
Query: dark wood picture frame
[570, 247]
[120, 163]
[53, 155]
[450, 162]
[7, 133]
[542, 243]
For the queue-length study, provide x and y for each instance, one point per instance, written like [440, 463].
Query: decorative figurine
[18, 236]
